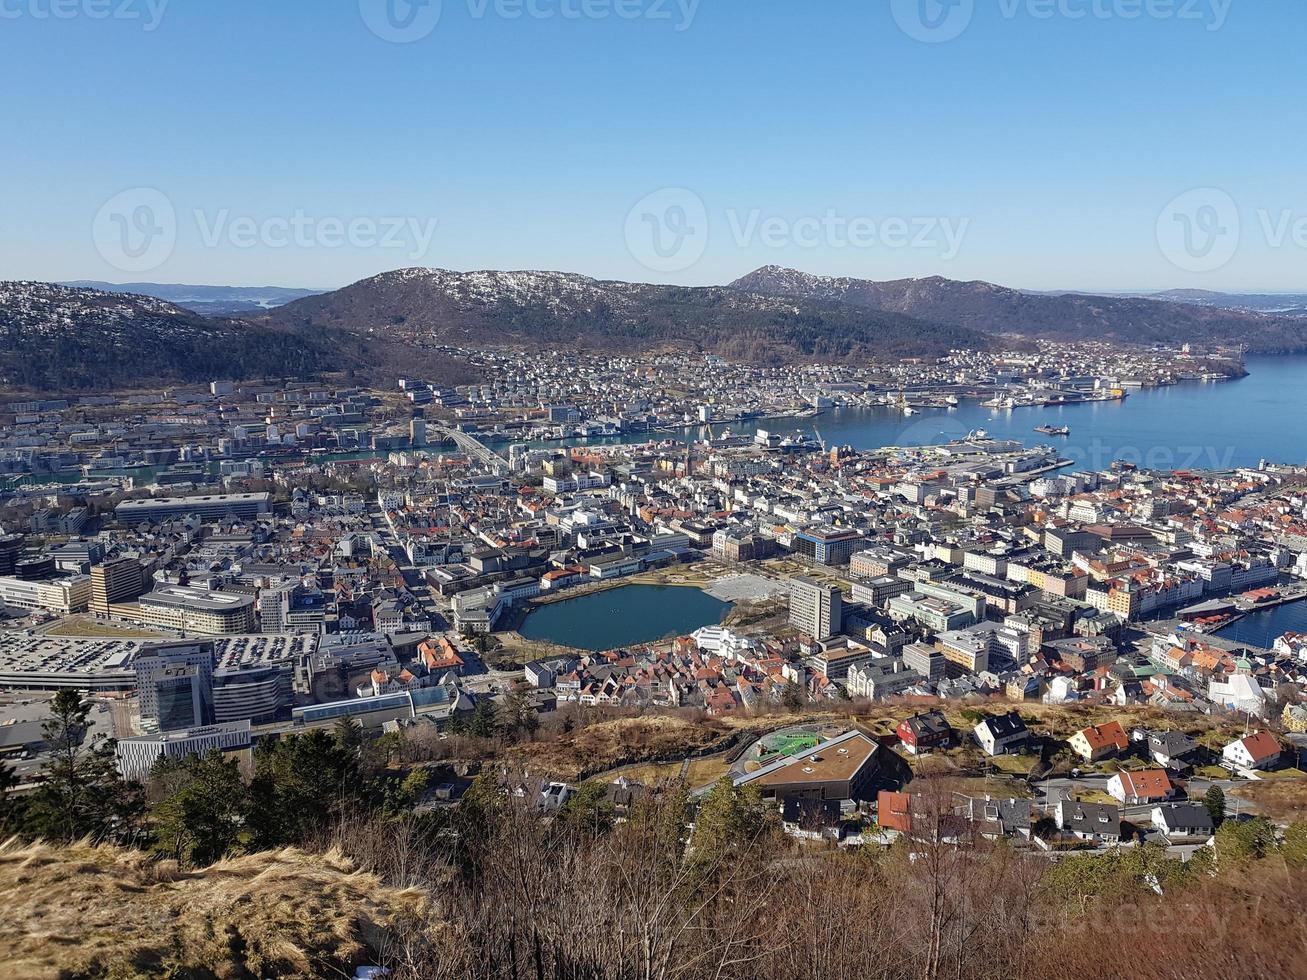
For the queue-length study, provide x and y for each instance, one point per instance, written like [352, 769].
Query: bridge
[475, 448]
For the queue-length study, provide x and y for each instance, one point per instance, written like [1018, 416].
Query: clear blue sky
[1050, 145]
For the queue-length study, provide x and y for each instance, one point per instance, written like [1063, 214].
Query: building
[1144, 786]
[925, 731]
[816, 610]
[60, 596]
[878, 562]
[210, 507]
[881, 679]
[138, 754]
[11, 550]
[174, 683]
[1089, 821]
[112, 582]
[1099, 741]
[925, 660]
[828, 546]
[1183, 820]
[1002, 734]
[843, 768]
[292, 608]
[188, 609]
[1261, 750]
[877, 591]
[994, 819]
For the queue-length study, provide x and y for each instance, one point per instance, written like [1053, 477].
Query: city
[651, 490]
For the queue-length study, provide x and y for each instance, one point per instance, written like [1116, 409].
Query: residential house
[1099, 741]
[1002, 734]
[1089, 821]
[926, 731]
[1261, 750]
[1001, 818]
[1145, 786]
[1172, 750]
[1176, 820]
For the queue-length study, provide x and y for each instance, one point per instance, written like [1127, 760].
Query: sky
[1042, 144]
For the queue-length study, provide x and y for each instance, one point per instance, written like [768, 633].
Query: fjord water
[625, 616]
[1191, 425]
[1261, 629]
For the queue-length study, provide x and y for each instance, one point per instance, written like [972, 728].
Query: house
[1002, 734]
[893, 811]
[1146, 786]
[1260, 750]
[1172, 750]
[1183, 820]
[1099, 741]
[1089, 821]
[810, 819]
[623, 795]
[925, 731]
[1001, 818]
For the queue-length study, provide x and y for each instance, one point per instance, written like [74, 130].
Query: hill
[991, 309]
[553, 309]
[66, 339]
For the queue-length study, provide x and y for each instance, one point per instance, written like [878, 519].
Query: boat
[909, 410]
[952, 401]
[1053, 430]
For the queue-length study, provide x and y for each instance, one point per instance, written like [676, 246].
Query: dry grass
[624, 741]
[87, 626]
[1283, 800]
[103, 911]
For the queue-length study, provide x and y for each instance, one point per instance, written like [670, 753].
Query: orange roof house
[1099, 741]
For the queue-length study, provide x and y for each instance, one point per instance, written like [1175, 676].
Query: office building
[115, 581]
[187, 609]
[61, 596]
[174, 682]
[11, 549]
[209, 507]
[137, 755]
[828, 546]
[816, 610]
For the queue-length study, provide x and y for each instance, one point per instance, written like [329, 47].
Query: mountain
[992, 309]
[60, 338]
[557, 309]
[209, 300]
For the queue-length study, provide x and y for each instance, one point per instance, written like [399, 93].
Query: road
[413, 579]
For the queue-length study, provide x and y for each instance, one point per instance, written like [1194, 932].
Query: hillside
[65, 339]
[57, 338]
[992, 309]
[83, 911]
[552, 309]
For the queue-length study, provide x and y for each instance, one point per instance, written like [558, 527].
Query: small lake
[1263, 628]
[622, 617]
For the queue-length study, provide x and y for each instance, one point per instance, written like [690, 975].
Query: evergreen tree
[81, 794]
[1214, 800]
[301, 783]
[11, 813]
[203, 816]
[484, 722]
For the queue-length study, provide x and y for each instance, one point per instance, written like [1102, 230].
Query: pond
[622, 617]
